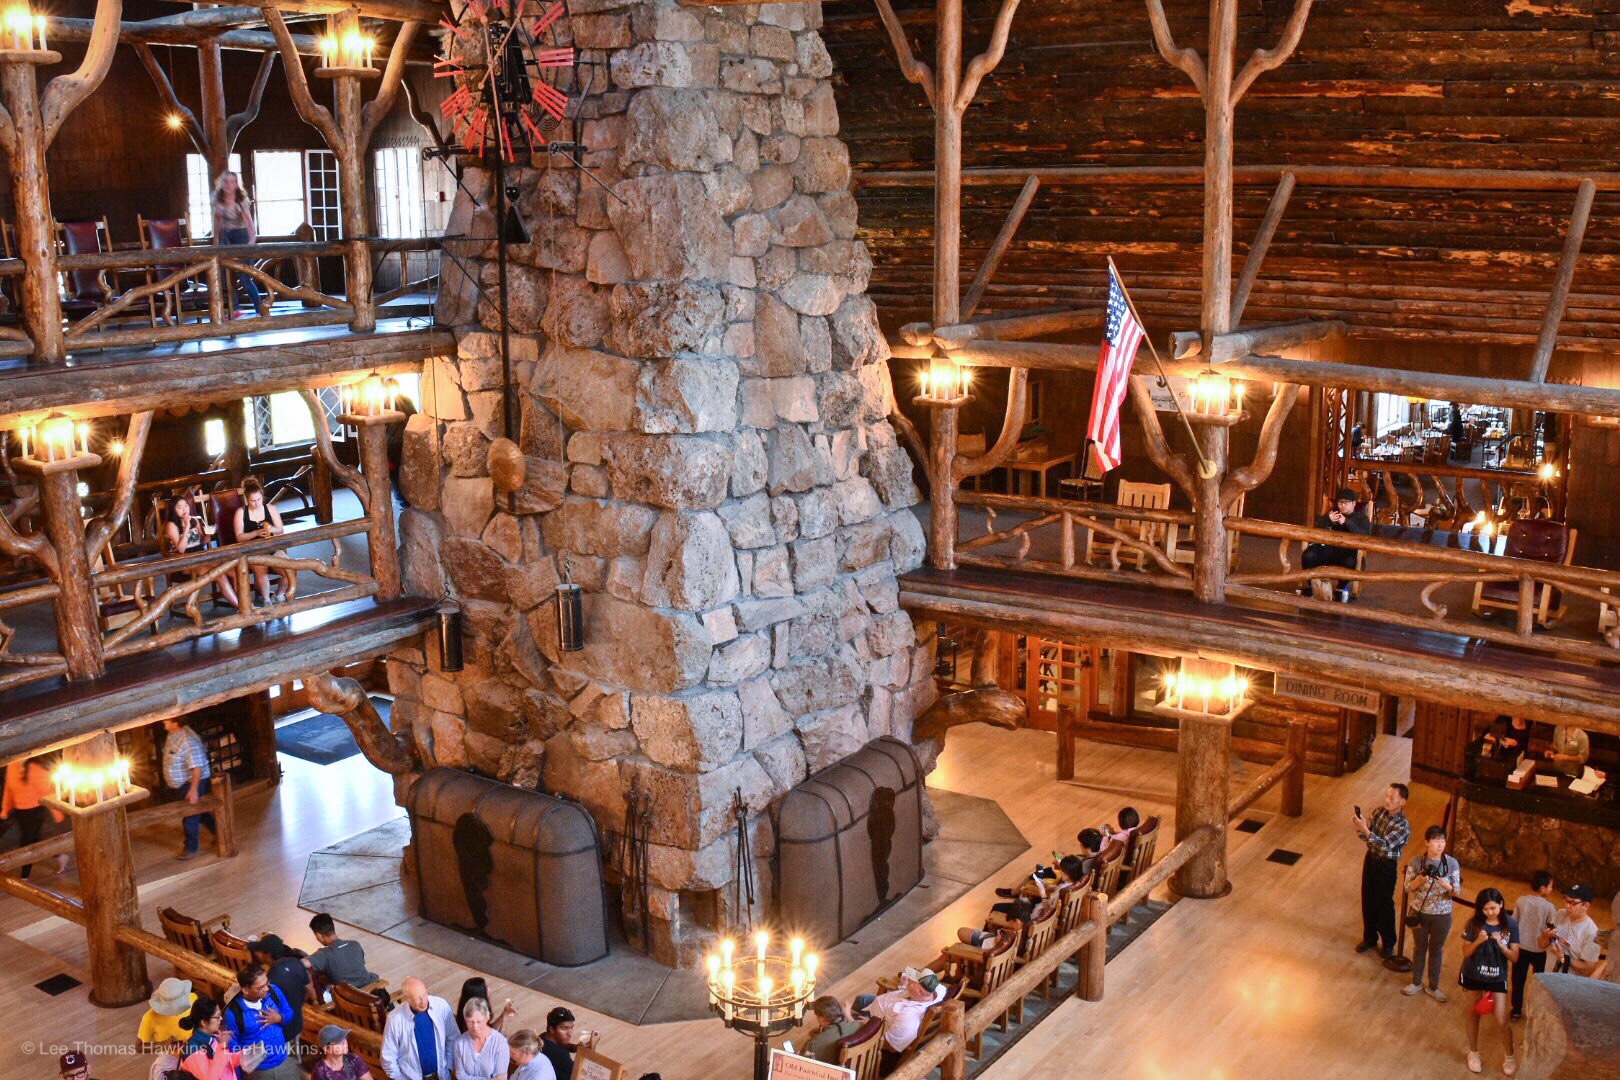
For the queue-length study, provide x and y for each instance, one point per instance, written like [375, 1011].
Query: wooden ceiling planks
[1447, 83]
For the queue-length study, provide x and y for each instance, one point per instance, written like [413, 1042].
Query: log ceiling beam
[1018, 327]
[1189, 344]
[1547, 340]
[1552, 397]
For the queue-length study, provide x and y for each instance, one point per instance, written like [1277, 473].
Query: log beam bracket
[1558, 298]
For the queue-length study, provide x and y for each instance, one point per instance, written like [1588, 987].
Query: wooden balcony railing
[1156, 540]
[186, 293]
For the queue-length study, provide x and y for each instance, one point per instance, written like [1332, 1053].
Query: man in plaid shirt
[185, 767]
[1385, 838]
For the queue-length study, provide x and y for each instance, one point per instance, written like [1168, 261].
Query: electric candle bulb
[39, 27]
[810, 963]
[714, 967]
[761, 940]
[726, 948]
[798, 981]
[796, 948]
[766, 987]
[83, 431]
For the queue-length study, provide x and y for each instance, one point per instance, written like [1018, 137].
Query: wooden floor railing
[947, 1051]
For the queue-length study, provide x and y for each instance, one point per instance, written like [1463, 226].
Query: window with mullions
[325, 201]
[399, 192]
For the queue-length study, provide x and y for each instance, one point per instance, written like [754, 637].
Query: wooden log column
[1203, 766]
[1211, 546]
[107, 888]
[944, 423]
[380, 491]
[78, 630]
[31, 202]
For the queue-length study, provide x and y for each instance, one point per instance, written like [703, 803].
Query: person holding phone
[1343, 516]
[1385, 837]
[1490, 946]
[256, 519]
[1432, 879]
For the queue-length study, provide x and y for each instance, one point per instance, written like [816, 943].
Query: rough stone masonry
[703, 392]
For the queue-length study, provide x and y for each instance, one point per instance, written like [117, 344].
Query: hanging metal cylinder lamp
[449, 634]
[570, 617]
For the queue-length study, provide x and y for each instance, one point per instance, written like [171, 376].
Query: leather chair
[1109, 866]
[190, 932]
[231, 950]
[862, 1052]
[164, 234]
[1139, 850]
[87, 290]
[1539, 541]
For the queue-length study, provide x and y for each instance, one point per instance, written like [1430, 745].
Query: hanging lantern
[1197, 687]
[570, 617]
[449, 635]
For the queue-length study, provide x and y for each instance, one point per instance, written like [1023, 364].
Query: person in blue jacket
[254, 1017]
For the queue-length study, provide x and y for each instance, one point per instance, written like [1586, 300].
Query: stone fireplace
[702, 392]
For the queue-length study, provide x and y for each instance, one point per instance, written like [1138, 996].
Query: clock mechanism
[513, 75]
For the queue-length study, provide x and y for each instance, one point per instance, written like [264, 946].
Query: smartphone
[1358, 811]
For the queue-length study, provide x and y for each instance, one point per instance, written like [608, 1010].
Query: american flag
[1121, 339]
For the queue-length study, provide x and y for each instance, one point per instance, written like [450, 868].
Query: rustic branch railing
[947, 1051]
[1103, 519]
[202, 274]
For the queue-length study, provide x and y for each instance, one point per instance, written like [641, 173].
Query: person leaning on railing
[233, 226]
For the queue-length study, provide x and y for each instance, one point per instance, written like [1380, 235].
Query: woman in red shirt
[27, 782]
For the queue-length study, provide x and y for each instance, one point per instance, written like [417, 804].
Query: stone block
[758, 614]
[829, 737]
[842, 212]
[526, 293]
[531, 583]
[749, 463]
[750, 235]
[779, 148]
[675, 472]
[544, 481]
[810, 53]
[495, 709]
[815, 562]
[696, 732]
[820, 116]
[419, 469]
[661, 318]
[597, 527]
[593, 783]
[748, 521]
[674, 129]
[686, 395]
[577, 313]
[814, 685]
[631, 645]
[794, 463]
[779, 349]
[441, 694]
[785, 518]
[890, 468]
[652, 22]
[772, 185]
[799, 223]
[776, 267]
[857, 339]
[671, 228]
[663, 63]
[906, 544]
[589, 389]
[604, 31]
[750, 75]
[729, 189]
[420, 537]
[794, 400]
[783, 760]
[772, 42]
[817, 513]
[689, 563]
[773, 572]
[467, 504]
[822, 166]
[465, 449]
[475, 571]
[812, 294]
[745, 657]
[599, 744]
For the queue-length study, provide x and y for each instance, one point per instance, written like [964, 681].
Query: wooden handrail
[1033, 504]
[1266, 781]
[1033, 974]
[219, 802]
[1327, 176]
[128, 572]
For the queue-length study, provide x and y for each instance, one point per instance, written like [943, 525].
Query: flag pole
[1206, 468]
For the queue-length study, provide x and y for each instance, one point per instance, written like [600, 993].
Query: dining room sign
[1305, 688]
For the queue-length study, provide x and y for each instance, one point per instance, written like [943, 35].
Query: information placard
[1305, 688]
[589, 1065]
[786, 1066]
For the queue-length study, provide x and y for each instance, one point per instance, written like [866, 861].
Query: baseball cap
[330, 1034]
[72, 1061]
[926, 978]
[1579, 892]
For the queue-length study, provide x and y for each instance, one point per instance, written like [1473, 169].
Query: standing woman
[1432, 879]
[1490, 945]
[233, 225]
[204, 1055]
[28, 781]
[256, 518]
[478, 987]
[480, 1052]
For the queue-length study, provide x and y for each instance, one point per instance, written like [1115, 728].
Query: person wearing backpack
[255, 1016]
[1432, 879]
[1490, 945]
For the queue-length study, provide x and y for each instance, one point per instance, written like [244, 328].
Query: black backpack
[1487, 964]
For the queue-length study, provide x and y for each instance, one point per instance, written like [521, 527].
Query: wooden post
[260, 723]
[379, 488]
[107, 886]
[78, 630]
[31, 205]
[1094, 953]
[1559, 296]
[224, 817]
[947, 165]
[942, 512]
[1203, 779]
[1219, 114]
[211, 86]
[1293, 785]
[1210, 550]
[320, 483]
[1065, 742]
[953, 1021]
[1121, 683]
[352, 182]
[236, 443]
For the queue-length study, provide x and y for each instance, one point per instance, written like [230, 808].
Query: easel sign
[1164, 392]
[589, 1065]
[786, 1066]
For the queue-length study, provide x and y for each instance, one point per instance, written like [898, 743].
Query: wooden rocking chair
[189, 932]
[231, 950]
[862, 1052]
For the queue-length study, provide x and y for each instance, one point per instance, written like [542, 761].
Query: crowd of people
[1500, 946]
[903, 1009]
[257, 1028]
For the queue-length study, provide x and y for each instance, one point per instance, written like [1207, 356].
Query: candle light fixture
[78, 790]
[22, 31]
[944, 380]
[1200, 688]
[351, 50]
[1215, 395]
[764, 996]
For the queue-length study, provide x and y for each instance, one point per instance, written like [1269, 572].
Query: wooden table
[1038, 468]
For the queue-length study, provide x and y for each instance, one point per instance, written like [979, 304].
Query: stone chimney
[703, 391]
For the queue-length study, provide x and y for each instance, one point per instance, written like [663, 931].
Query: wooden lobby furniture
[189, 932]
[1139, 850]
[1540, 541]
[1040, 461]
[1032, 945]
[1181, 541]
[231, 950]
[359, 1007]
[1139, 496]
[164, 234]
[1089, 483]
[1110, 864]
[86, 290]
[930, 1025]
[862, 1052]
[1070, 900]
[986, 970]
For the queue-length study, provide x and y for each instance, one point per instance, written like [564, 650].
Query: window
[278, 177]
[399, 192]
[290, 421]
[321, 182]
[199, 191]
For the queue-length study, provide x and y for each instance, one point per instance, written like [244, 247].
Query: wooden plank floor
[1263, 981]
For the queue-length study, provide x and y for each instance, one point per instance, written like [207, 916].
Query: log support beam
[1558, 298]
[1011, 327]
[347, 699]
[107, 888]
[380, 499]
[1262, 244]
[1203, 783]
[1262, 340]
[998, 247]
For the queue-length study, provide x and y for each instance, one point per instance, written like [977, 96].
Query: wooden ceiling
[1501, 84]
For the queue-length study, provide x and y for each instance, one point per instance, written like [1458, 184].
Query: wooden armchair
[930, 1025]
[1069, 901]
[164, 234]
[982, 972]
[359, 1007]
[86, 290]
[231, 950]
[1139, 850]
[1182, 540]
[1110, 864]
[1141, 496]
[862, 1052]
[1036, 939]
[1540, 541]
[189, 932]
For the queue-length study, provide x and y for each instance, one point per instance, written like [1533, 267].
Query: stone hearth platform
[358, 881]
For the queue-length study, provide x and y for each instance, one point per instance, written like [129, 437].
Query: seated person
[288, 972]
[1346, 517]
[338, 959]
[902, 1010]
[1571, 749]
[184, 530]
[256, 519]
[832, 1024]
[1129, 822]
[1090, 840]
